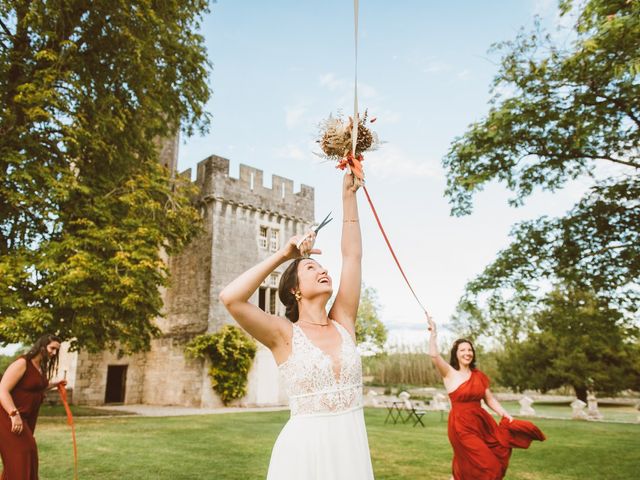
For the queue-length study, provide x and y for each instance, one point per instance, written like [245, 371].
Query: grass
[238, 447]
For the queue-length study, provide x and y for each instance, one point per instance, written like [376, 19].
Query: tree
[86, 210]
[572, 109]
[369, 327]
[577, 341]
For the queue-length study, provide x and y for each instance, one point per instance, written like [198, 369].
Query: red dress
[481, 447]
[19, 452]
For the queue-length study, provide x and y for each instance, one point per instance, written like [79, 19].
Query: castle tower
[243, 222]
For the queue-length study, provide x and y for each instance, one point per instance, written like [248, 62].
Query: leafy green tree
[577, 341]
[86, 210]
[571, 109]
[5, 361]
[369, 327]
[572, 112]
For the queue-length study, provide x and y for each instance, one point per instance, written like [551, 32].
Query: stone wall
[233, 212]
[90, 381]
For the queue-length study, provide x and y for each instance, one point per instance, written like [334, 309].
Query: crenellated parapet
[249, 191]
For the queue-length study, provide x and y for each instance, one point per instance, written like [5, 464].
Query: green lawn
[238, 446]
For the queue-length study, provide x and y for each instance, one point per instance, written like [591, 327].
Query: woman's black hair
[288, 285]
[48, 365]
[453, 361]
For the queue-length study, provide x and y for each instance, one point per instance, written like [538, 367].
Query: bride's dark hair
[288, 285]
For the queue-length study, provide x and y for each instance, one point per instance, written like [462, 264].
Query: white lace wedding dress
[325, 438]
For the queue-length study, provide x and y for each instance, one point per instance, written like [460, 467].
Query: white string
[354, 133]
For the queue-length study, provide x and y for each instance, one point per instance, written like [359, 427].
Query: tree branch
[605, 249]
[615, 160]
[6, 30]
[548, 154]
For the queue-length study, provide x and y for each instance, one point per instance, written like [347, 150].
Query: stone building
[244, 222]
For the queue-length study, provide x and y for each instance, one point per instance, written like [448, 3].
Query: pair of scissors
[326, 220]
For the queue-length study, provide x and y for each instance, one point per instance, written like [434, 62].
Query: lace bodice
[310, 381]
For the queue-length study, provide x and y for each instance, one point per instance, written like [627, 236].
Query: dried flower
[336, 143]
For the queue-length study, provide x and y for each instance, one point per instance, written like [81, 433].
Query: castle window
[262, 239]
[275, 240]
[273, 280]
[262, 299]
[272, 301]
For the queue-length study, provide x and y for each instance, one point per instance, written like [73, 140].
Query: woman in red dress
[22, 390]
[481, 447]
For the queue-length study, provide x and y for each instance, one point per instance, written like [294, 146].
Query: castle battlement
[249, 191]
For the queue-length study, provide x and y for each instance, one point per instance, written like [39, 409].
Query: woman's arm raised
[345, 306]
[267, 329]
[443, 367]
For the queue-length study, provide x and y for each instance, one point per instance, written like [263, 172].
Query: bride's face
[313, 279]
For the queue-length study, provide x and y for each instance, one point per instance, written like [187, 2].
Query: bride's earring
[298, 295]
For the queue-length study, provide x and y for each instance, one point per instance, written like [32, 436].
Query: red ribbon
[393, 254]
[63, 396]
[354, 163]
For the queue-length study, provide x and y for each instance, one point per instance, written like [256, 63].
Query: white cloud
[391, 161]
[463, 74]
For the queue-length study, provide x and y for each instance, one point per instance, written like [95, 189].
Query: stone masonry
[244, 222]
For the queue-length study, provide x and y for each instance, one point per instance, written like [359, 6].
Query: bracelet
[350, 221]
[14, 413]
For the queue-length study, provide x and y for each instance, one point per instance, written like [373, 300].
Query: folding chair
[394, 412]
[414, 410]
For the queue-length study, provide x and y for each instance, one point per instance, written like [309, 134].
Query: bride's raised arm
[345, 306]
[270, 330]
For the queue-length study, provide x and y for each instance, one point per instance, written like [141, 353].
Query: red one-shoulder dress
[481, 447]
[19, 452]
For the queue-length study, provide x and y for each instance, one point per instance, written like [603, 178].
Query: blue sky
[279, 68]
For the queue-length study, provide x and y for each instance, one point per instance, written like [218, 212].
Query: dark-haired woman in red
[21, 393]
[481, 447]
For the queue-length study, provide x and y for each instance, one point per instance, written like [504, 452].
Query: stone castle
[243, 222]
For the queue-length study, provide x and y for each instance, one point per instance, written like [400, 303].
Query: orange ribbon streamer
[63, 396]
[354, 163]
[393, 254]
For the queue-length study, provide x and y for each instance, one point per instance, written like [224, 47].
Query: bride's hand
[349, 184]
[301, 246]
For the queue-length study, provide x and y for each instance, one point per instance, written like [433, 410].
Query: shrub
[231, 353]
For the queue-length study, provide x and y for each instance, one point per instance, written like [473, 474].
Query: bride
[325, 438]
